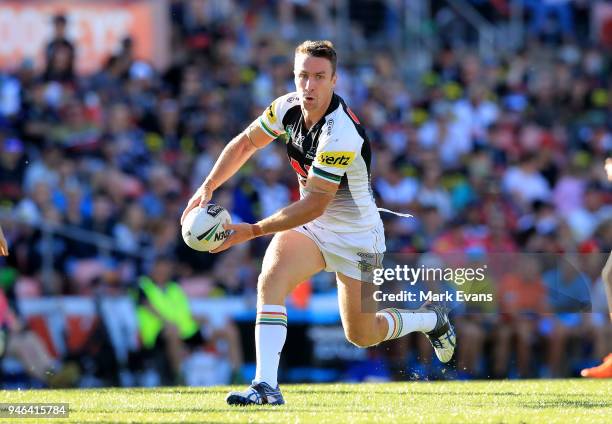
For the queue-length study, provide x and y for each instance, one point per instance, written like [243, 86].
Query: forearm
[294, 215]
[231, 159]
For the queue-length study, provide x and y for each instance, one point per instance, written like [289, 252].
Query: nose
[309, 85]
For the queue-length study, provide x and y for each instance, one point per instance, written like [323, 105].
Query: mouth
[308, 98]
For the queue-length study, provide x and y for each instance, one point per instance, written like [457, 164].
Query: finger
[204, 200]
[184, 214]
[229, 226]
[226, 245]
[192, 204]
[229, 242]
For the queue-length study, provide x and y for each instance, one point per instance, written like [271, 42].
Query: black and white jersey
[336, 149]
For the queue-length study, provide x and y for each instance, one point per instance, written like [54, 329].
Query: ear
[334, 78]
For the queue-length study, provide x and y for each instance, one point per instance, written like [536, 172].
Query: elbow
[315, 210]
[242, 147]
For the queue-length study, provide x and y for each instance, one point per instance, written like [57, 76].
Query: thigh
[290, 259]
[357, 309]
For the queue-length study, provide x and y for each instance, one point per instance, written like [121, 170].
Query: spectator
[12, 169]
[168, 329]
[568, 294]
[525, 183]
[585, 218]
[167, 326]
[522, 300]
[59, 54]
[27, 347]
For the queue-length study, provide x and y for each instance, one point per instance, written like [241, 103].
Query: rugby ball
[203, 229]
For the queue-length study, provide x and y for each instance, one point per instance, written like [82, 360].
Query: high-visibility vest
[172, 304]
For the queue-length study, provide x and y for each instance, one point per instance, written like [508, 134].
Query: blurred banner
[96, 29]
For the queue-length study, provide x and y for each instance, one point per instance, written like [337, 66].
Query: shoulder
[277, 110]
[285, 102]
[273, 117]
[290, 98]
[341, 126]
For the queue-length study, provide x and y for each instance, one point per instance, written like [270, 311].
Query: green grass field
[545, 401]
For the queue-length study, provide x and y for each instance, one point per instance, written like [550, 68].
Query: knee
[272, 287]
[264, 287]
[359, 338]
[264, 281]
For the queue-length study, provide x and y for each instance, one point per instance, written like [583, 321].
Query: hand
[200, 198]
[240, 234]
[3, 245]
[609, 168]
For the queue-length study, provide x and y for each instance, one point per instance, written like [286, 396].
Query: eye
[320, 77]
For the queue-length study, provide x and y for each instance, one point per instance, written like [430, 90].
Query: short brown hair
[322, 48]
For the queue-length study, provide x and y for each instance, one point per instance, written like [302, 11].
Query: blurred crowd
[500, 154]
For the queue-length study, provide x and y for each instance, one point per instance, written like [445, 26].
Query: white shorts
[352, 254]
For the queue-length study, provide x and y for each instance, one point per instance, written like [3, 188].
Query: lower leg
[365, 328]
[501, 352]
[401, 322]
[174, 350]
[24, 348]
[523, 356]
[523, 352]
[270, 336]
[231, 336]
[369, 330]
[556, 349]
[470, 339]
[290, 259]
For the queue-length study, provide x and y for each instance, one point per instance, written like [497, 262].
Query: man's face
[314, 81]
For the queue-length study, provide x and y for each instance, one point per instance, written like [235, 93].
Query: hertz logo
[336, 159]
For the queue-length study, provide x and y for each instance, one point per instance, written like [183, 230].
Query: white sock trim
[402, 322]
[272, 308]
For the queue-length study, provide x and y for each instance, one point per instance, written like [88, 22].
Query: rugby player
[334, 226]
[604, 370]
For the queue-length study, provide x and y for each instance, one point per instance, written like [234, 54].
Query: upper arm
[269, 125]
[271, 120]
[258, 137]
